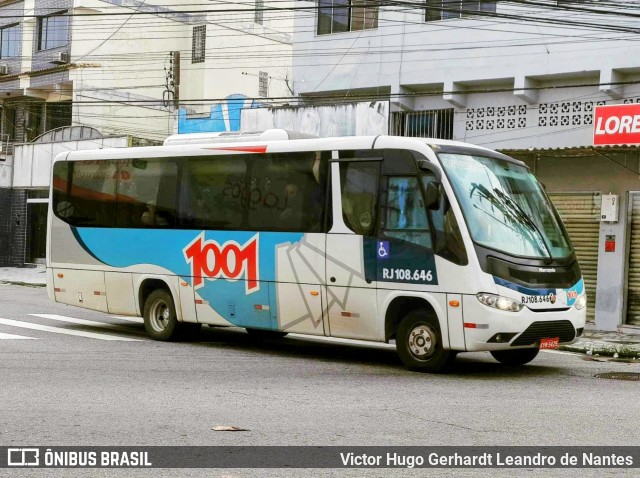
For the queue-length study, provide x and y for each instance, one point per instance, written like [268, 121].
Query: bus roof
[235, 137]
[276, 140]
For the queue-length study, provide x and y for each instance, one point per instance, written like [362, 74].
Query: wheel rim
[159, 316]
[422, 341]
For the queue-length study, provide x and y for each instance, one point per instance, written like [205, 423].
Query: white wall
[473, 63]
[360, 119]
[237, 49]
[123, 60]
[32, 161]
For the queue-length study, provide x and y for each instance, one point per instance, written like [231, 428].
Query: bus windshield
[505, 207]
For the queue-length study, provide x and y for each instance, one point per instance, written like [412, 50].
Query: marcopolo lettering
[230, 261]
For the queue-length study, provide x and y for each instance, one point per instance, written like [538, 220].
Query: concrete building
[106, 73]
[522, 77]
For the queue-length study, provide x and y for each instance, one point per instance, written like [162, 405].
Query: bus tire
[262, 334]
[515, 357]
[160, 319]
[419, 343]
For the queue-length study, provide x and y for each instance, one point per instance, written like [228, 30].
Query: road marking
[14, 337]
[57, 330]
[89, 323]
[137, 320]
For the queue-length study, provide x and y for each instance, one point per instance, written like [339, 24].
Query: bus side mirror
[432, 196]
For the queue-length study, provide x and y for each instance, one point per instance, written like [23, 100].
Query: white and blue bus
[441, 246]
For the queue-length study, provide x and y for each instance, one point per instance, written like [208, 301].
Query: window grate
[423, 124]
[263, 84]
[198, 44]
[259, 12]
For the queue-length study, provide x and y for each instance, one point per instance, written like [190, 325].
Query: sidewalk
[29, 276]
[623, 344]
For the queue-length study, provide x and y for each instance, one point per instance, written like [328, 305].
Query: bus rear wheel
[419, 343]
[515, 357]
[160, 319]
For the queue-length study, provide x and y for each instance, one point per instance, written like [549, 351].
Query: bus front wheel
[419, 343]
[160, 319]
[515, 357]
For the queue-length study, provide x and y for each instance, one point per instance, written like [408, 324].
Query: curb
[23, 284]
[604, 349]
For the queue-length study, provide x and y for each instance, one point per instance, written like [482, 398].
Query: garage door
[633, 280]
[581, 215]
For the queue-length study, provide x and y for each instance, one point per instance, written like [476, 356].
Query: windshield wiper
[523, 217]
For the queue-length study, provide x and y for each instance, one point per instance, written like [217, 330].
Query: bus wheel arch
[399, 308]
[159, 310]
[414, 324]
[147, 286]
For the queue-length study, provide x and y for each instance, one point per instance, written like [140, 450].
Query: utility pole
[173, 78]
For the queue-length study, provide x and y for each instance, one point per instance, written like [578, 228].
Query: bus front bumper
[487, 329]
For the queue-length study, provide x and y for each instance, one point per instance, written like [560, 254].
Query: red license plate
[550, 343]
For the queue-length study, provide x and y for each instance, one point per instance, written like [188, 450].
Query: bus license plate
[551, 343]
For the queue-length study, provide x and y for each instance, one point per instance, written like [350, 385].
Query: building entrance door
[37, 231]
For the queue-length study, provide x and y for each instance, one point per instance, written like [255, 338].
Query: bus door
[350, 257]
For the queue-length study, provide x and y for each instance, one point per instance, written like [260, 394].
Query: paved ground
[61, 386]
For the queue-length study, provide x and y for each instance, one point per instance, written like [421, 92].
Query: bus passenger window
[406, 216]
[213, 193]
[287, 192]
[359, 186]
[146, 193]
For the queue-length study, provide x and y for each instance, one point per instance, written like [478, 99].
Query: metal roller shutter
[581, 215]
[633, 279]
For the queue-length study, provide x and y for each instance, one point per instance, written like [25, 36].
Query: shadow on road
[472, 365]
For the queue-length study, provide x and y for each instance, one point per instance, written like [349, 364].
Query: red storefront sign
[617, 124]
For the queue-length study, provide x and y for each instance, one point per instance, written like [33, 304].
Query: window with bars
[263, 84]
[444, 9]
[423, 124]
[10, 41]
[198, 43]
[53, 31]
[259, 13]
[337, 16]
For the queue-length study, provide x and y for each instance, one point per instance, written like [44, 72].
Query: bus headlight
[581, 301]
[500, 302]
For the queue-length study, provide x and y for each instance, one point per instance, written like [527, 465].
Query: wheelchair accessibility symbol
[383, 249]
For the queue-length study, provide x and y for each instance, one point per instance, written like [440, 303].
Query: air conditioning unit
[4, 69]
[61, 58]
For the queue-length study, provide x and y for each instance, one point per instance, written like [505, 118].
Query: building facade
[128, 69]
[522, 77]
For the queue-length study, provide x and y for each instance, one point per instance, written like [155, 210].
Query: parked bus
[441, 246]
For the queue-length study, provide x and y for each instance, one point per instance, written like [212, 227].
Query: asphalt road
[82, 390]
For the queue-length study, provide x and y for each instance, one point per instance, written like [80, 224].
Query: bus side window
[146, 193]
[213, 192]
[405, 216]
[359, 192]
[446, 233]
[287, 192]
[91, 196]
